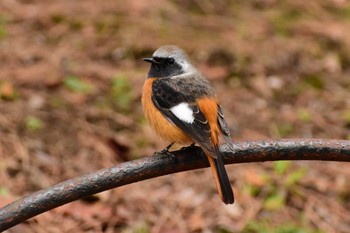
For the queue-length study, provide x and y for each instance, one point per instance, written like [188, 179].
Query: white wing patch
[183, 112]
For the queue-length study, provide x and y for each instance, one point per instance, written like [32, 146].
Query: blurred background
[71, 77]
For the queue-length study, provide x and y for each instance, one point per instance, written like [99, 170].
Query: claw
[166, 149]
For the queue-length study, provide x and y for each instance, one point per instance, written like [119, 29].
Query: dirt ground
[71, 76]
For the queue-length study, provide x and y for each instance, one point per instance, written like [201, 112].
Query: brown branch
[161, 164]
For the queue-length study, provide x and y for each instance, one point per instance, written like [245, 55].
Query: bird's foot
[166, 151]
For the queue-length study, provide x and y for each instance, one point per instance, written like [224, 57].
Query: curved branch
[162, 164]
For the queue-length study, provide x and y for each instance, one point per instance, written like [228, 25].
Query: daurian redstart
[181, 106]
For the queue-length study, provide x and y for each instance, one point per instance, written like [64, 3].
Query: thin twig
[162, 164]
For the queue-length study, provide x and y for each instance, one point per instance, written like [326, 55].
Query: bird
[182, 107]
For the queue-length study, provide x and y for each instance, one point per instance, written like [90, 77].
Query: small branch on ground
[162, 164]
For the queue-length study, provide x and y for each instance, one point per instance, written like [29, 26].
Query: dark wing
[165, 97]
[224, 128]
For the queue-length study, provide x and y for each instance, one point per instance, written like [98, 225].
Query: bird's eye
[171, 61]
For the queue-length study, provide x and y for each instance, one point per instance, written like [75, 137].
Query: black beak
[150, 60]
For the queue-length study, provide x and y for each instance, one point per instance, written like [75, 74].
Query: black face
[162, 67]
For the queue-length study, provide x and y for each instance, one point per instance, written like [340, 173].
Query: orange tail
[221, 179]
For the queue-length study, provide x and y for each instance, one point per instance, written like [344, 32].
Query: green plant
[265, 227]
[75, 84]
[3, 22]
[281, 167]
[121, 93]
[4, 191]
[33, 123]
[304, 115]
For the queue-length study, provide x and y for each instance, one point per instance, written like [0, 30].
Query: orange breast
[164, 128]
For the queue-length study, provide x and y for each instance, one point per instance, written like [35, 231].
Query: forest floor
[71, 76]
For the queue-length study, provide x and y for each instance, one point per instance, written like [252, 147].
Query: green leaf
[290, 228]
[256, 227]
[4, 191]
[285, 227]
[142, 227]
[121, 92]
[295, 176]
[284, 21]
[315, 82]
[77, 85]
[33, 123]
[3, 23]
[283, 130]
[346, 116]
[281, 167]
[274, 202]
[224, 230]
[252, 190]
[304, 115]
[57, 18]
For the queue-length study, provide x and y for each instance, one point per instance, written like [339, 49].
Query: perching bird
[181, 106]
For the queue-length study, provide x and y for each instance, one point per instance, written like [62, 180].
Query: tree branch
[161, 164]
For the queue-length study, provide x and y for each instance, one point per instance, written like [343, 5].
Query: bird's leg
[167, 152]
[166, 149]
